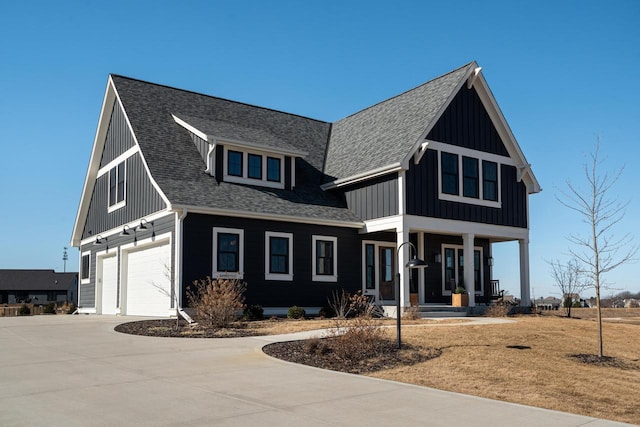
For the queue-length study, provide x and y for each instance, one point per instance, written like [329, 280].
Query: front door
[387, 273]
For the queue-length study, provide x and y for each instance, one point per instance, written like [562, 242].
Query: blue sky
[561, 71]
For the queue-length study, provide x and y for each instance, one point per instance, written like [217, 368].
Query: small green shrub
[296, 312]
[24, 310]
[253, 312]
[50, 308]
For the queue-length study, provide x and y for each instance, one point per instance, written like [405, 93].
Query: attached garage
[146, 285]
[107, 271]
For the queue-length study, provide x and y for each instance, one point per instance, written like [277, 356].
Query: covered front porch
[442, 244]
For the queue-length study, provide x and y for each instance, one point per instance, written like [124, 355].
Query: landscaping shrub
[339, 303]
[327, 312]
[498, 310]
[296, 312]
[71, 308]
[216, 302]
[24, 310]
[50, 308]
[411, 313]
[253, 312]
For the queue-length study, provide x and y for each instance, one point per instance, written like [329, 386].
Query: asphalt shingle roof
[177, 167]
[378, 136]
[383, 134]
[35, 280]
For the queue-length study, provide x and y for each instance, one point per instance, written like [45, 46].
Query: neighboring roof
[383, 135]
[36, 280]
[177, 167]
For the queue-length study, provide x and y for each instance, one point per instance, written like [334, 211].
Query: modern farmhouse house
[182, 185]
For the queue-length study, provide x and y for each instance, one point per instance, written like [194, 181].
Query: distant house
[548, 303]
[182, 185]
[38, 287]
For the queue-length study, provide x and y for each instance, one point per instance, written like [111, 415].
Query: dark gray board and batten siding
[375, 198]
[141, 197]
[465, 123]
[303, 291]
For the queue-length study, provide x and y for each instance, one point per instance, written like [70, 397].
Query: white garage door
[109, 285]
[148, 289]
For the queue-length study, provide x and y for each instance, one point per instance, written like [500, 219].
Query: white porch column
[403, 258]
[469, 280]
[525, 287]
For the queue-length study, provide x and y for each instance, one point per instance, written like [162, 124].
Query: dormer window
[253, 167]
[273, 169]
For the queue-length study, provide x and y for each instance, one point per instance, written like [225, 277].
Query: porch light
[490, 261]
[415, 262]
[438, 258]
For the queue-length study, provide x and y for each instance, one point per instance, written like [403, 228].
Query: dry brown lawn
[530, 362]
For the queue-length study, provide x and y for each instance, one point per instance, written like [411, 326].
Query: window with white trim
[253, 167]
[228, 253]
[278, 256]
[85, 267]
[117, 186]
[469, 178]
[324, 258]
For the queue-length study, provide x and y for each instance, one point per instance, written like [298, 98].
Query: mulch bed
[594, 359]
[167, 328]
[387, 356]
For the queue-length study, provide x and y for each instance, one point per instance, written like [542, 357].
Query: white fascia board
[418, 144]
[387, 223]
[94, 162]
[268, 217]
[190, 128]
[260, 147]
[384, 170]
[457, 228]
[503, 129]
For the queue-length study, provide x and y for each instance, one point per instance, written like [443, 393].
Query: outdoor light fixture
[125, 231]
[490, 261]
[415, 262]
[144, 224]
[98, 240]
[438, 258]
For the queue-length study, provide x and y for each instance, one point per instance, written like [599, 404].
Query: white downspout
[177, 277]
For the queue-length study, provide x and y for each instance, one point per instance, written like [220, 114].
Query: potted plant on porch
[460, 297]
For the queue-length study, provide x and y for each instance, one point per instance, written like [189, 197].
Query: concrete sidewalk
[76, 371]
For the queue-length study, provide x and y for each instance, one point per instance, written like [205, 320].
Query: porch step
[436, 311]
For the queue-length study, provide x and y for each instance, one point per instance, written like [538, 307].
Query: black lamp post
[415, 262]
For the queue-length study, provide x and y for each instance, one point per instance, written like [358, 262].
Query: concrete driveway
[76, 371]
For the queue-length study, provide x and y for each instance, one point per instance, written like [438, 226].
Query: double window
[117, 186]
[469, 179]
[228, 257]
[278, 256]
[254, 168]
[324, 258]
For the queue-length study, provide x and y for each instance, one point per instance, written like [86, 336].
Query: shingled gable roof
[178, 169]
[380, 137]
[35, 280]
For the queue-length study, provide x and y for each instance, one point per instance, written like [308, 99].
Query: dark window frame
[370, 266]
[85, 266]
[223, 253]
[274, 162]
[449, 173]
[279, 256]
[470, 177]
[489, 184]
[254, 167]
[232, 165]
[324, 260]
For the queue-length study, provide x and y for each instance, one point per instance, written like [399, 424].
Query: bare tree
[599, 251]
[569, 279]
